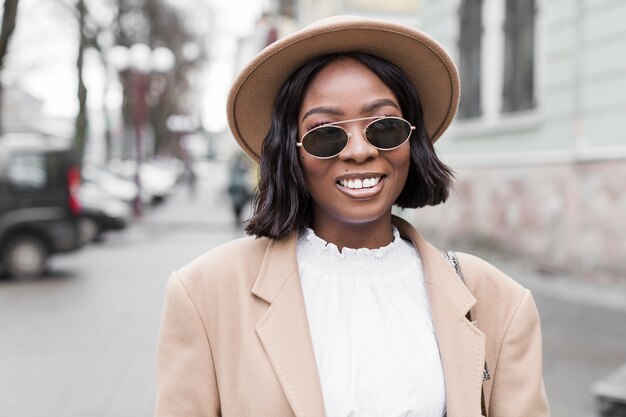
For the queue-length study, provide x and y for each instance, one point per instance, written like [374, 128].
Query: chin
[364, 217]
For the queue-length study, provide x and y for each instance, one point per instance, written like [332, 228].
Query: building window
[518, 91]
[470, 55]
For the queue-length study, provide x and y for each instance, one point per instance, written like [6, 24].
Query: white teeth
[355, 184]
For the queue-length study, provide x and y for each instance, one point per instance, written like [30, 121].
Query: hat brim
[427, 65]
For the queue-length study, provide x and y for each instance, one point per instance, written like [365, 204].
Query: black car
[39, 205]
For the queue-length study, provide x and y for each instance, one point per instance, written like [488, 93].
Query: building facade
[538, 143]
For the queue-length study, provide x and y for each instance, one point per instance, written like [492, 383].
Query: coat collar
[284, 329]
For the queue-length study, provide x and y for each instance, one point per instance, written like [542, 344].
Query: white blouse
[372, 329]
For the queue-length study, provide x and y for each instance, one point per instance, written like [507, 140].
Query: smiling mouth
[359, 183]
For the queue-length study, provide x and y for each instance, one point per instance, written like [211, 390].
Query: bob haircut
[281, 203]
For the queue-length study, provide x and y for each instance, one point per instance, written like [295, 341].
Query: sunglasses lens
[325, 141]
[388, 133]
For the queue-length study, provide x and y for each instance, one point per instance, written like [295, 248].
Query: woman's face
[346, 89]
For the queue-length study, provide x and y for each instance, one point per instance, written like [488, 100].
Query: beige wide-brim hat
[419, 56]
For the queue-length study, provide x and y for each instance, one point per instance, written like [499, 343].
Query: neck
[371, 235]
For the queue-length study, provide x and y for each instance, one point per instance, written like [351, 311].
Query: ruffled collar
[331, 249]
[316, 251]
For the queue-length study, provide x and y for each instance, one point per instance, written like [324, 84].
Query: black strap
[454, 262]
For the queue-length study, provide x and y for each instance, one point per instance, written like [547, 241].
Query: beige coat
[235, 340]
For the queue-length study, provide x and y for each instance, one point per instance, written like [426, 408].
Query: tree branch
[8, 26]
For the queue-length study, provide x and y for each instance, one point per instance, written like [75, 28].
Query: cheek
[401, 163]
[402, 160]
[313, 168]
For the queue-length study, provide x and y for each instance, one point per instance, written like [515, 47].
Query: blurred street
[81, 341]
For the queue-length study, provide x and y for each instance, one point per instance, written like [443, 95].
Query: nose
[358, 148]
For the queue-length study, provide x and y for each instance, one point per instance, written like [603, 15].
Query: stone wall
[569, 217]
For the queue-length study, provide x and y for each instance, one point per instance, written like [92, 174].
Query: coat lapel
[461, 343]
[284, 329]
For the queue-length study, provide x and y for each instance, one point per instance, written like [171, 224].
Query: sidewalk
[568, 288]
[202, 209]
[584, 342]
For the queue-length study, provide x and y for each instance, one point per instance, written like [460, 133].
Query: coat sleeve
[186, 380]
[518, 389]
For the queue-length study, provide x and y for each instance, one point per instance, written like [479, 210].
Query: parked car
[157, 179]
[39, 206]
[110, 183]
[102, 211]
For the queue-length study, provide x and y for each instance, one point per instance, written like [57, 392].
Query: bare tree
[78, 11]
[158, 23]
[167, 27]
[8, 26]
[88, 28]
[81, 123]
[154, 22]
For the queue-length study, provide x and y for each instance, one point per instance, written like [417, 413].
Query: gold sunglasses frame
[349, 135]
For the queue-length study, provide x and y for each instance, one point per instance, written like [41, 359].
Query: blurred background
[117, 167]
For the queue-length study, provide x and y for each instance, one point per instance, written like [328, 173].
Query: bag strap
[454, 262]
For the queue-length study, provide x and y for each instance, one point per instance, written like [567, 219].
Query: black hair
[282, 204]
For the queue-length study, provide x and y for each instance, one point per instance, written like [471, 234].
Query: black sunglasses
[383, 133]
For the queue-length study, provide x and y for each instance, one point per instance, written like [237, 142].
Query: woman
[335, 307]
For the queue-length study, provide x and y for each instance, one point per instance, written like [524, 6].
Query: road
[81, 341]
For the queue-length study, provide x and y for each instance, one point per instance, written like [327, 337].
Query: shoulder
[225, 267]
[499, 297]
[483, 276]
